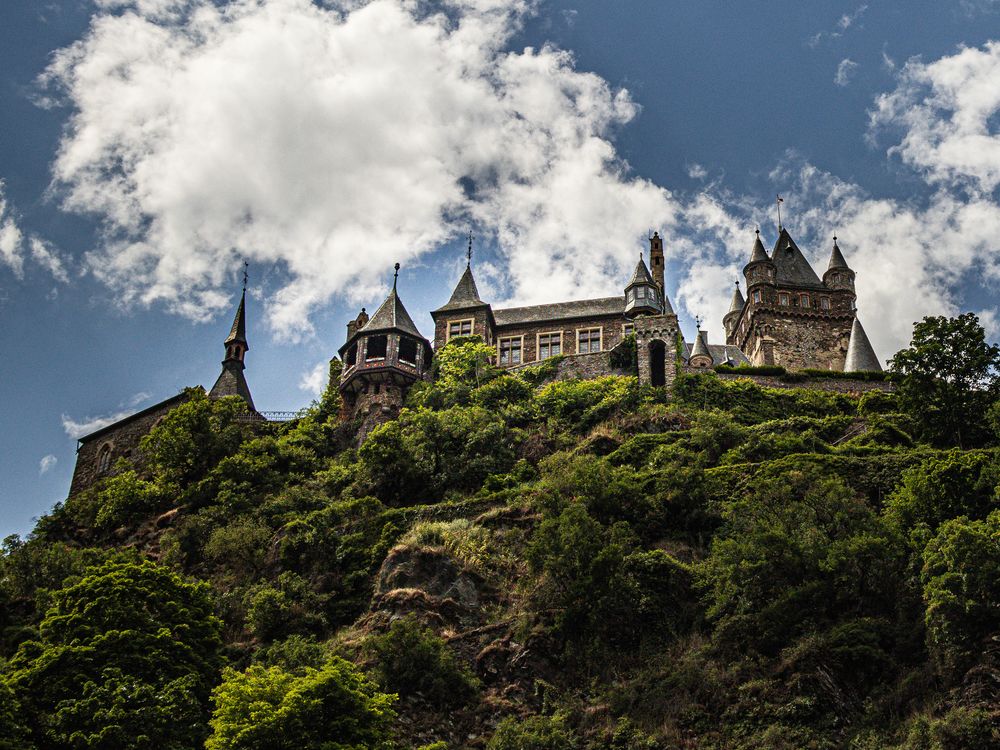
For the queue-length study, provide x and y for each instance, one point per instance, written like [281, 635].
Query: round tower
[759, 272]
[732, 318]
[839, 275]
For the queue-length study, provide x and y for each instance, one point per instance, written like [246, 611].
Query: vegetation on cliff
[515, 563]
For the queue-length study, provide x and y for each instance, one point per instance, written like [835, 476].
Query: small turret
[736, 306]
[231, 381]
[838, 274]
[643, 296]
[700, 356]
[860, 354]
[760, 269]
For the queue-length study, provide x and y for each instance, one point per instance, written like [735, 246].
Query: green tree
[961, 583]
[948, 378]
[464, 361]
[129, 650]
[533, 733]
[331, 708]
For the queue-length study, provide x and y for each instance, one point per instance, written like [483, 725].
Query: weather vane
[468, 253]
[395, 276]
[778, 203]
[246, 276]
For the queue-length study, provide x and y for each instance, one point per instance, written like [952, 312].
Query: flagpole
[778, 204]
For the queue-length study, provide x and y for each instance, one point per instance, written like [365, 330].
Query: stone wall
[580, 366]
[834, 385]
[482, 324]
[652, 330]
[612, 332]
[121, 441]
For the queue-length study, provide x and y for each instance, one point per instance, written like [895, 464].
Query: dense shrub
[533, 733]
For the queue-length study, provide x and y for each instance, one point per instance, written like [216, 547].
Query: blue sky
[147, 146]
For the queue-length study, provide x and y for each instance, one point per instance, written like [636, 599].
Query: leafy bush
[331, 708]
[533, 733]
[411, 659]
[581, 404]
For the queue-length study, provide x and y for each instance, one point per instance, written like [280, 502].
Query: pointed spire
[392, 315]
[737, 303]
[700, 347]
[836, 257]
[758, 253]
[231, 381]
[468, 254]
[860, 354]
[641, 275]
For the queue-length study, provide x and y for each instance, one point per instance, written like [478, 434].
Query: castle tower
[790, 317]
[465, 313]
[643, 295]
[382, 358]
[700, 354]
[656, 261]
[732, 318]
[231, 380]
[860, 354]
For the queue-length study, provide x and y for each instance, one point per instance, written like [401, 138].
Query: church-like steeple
[231, 380]
[860, 354]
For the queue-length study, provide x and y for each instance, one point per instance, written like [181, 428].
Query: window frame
[416, 350]
[538, 345]
[459, 322]
[825, 303]
[784, 299]
[626, 331]
[104, 458]
[520, 350]
[804, 300]
[385, 354]
[758, 298]
[600, 339]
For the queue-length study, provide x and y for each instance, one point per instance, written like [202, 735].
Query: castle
[790, 318]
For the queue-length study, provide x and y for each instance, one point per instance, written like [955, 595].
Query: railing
[268, 416]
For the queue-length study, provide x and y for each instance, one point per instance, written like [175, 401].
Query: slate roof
[641, 275]
[179, 398]
[701, 346]
[465, 295]
[758, 253]
[585, 308]
[738, 302]
[860, 354]
[232, 382]
[391, 316]
[837, 258]
[790, 266]
[239, 330]
[722, 354]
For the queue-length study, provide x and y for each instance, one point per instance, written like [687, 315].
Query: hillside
[579, 564]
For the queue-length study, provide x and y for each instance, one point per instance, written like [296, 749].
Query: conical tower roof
[737, 303]
[700, 347]
[758, 253]
[860, 354]
[239, 329]
[837, 257]
[791, 266]
[391, 316]
[466, 293]
[641, 275]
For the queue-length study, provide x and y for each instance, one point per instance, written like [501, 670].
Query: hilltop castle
[790, 318]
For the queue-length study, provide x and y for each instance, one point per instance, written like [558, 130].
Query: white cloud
[697, 171]
[88, 425]
[314, 381]
[846, 21]
[45, 256]
[990, 321]
[11, 237]
[946, 114]
[846, 69]
[47, 464]
[335, 140]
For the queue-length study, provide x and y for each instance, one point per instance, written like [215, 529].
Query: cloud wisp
[47, 464]
[846, 69]
[846, 21]
[16, 247]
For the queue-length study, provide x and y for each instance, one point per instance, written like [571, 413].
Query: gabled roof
[641, 275]
[465, 295]
[790, 265]
[860, 354]
[585, 308]
[837, 258]
[239, 329]
[391, 316]
[178, 399]
[737, 304]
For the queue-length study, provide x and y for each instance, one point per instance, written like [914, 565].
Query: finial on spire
[778, 203]
[698, 321]
[395, 277]
[737, 283]
[468, 254]
[246, 266]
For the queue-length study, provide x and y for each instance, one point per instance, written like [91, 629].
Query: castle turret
[736, 305]
[656, 262]
[760, 270]
[465, 313]
[382, 359]
[700, 356]
[860, 354]
[231, 380]
[643, 296]
[838, 274]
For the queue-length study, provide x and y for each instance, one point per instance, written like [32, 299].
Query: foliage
[961, 585]
[533, 733]
[412, 660]
[581, 404]
[625, 356]
[132, 638]
[464, 361]
[331, 708]
[948, 378]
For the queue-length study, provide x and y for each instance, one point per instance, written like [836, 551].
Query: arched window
[104, 459]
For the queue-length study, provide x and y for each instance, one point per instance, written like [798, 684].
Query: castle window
[510, 350]
[757, 296]
[588, 340]
[549, 345]
[640, 292]
[824, 303]
[784, 299]
[459, 328]
[804, 300]
[104, 459]
[351, 358]
[375, 347]
[628, 329]
[408, 351]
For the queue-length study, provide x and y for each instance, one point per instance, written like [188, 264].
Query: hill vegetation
[518, 564]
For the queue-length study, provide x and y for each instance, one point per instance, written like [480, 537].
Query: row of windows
[785, 300]
[376, 348]
[588, 341]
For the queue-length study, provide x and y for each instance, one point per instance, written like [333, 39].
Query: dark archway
[657, 363]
